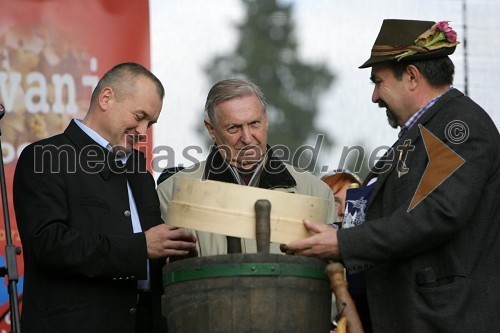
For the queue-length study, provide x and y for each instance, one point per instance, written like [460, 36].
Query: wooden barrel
[247, 293]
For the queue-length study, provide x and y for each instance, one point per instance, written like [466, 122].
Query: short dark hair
[437, 71]
[122, 77]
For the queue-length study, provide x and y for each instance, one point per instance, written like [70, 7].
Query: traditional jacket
[434, 267]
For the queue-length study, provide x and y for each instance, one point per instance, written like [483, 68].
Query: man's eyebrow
[144, 114]
[373, 78]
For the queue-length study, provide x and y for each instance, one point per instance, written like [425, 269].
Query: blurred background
[304, 55]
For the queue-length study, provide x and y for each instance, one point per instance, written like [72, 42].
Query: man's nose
[246, 135]
[142, 128]
[375, 96]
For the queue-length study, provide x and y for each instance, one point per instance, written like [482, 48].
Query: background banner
[52, 53]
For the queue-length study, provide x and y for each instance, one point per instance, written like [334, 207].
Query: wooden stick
[349, 321]
[342, 325]
[263, 225]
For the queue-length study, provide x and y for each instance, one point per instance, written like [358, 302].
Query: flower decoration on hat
[438, 36]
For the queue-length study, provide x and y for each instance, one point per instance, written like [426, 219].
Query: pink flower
[443, 26]
[438, 36]
[450, 34]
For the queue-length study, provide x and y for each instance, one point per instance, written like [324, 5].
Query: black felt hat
[408, 40]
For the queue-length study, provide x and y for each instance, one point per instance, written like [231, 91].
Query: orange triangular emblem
[443, 162]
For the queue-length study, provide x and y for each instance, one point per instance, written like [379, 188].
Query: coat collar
[274, 173]
[390, 158]
[99, 159]
[414, 132]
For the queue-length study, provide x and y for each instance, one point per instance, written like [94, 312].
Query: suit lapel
[390, 159]
[381, 170]
[98, 159]
[92, 157]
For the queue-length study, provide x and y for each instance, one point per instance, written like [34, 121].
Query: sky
[187, 34]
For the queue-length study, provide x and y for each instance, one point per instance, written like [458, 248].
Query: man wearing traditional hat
[430, 244]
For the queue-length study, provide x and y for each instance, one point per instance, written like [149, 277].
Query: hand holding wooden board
[228, 209]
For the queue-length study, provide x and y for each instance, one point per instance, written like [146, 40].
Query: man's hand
[323, 244]
[165, 240]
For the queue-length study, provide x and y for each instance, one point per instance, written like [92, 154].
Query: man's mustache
[391, 117]
[381, 104]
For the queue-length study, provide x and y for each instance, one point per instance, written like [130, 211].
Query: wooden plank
[228, 209]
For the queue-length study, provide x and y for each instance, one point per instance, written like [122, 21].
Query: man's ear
[210, 130]
[414, 77]
[106, 98]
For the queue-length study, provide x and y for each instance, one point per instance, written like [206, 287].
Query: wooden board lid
[228, 209]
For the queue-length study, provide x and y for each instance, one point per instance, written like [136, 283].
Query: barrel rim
[243, 269]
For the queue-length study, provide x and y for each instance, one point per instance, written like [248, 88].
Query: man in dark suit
[430, 244]
[89, 218]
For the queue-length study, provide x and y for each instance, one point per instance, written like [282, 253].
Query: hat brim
[442, 52]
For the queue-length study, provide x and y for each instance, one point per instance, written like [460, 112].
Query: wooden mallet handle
[263, 225]
[349, 321]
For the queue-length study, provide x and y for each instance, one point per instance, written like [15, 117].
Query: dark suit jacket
[82, 259]
[451, 239]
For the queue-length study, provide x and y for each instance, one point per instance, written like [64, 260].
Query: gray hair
[228, 89]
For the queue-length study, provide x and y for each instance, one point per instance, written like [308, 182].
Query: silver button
[126, 213]
[132, 311]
